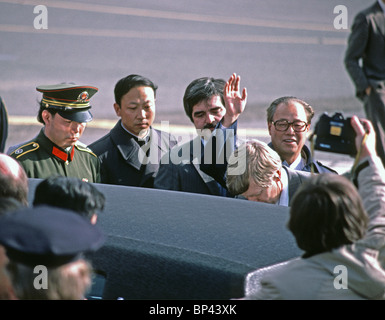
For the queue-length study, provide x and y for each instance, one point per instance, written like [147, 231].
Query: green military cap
[45, 235]
[72, 101]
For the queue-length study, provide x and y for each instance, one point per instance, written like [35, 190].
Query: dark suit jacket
[295, 178]
[366, 42]
[124, 162]
[180, 171]
[317, 166]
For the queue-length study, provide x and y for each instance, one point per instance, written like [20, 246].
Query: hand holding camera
[335, 134]
[365, 136]
[346, 136]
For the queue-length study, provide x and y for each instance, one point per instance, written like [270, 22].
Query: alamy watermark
[341, 20]
[41, 280]
[341, 280]
[41, 20]
[225, 143]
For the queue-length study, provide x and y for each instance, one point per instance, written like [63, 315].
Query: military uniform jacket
[124, 162]
[41, 158]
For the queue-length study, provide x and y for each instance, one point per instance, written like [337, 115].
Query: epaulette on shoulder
[24, 149]
[82, 147]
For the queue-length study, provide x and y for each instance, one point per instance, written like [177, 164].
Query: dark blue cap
[49, 236]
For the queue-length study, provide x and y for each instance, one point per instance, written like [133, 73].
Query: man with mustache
[209, 103]
[130, 153]
[56, 150]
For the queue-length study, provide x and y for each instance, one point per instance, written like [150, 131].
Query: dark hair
[326, 213]
[200, 90]
[41, 109]
[70, 193]
[132, 81]
[286, 100]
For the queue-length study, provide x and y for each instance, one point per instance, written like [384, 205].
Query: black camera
[335, 134]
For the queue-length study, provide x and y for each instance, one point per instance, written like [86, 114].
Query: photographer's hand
[364, 130]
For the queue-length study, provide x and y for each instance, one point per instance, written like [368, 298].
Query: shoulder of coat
[82, 147]
[24, 149]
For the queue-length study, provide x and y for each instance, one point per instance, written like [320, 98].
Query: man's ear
[94, 218]
[46, 116]
[117, 109]
[277, 174]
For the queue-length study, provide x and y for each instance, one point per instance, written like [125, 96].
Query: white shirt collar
[298, 163]
[284, 197]
[139, 138]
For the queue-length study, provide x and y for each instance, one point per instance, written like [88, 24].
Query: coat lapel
[195, 158]
[126, 145]
[156, 150]
[379, 19]
[293, 182]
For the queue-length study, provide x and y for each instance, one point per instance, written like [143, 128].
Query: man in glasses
[288, 120]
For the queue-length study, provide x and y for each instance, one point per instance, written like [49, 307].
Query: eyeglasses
[283, 125]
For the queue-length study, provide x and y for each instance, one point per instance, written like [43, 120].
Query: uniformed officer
[45, 247]
[64, 111]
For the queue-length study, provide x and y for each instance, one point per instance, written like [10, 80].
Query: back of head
[69, 193]
[54, 240]
[13, 179]
[67, 282]
[201, 90]
[253, 159]
[131, 81]
[326, 213]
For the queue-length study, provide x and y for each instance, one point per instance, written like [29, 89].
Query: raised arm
[369, 174]
[235, 100]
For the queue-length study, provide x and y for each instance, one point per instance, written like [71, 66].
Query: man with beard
[209, 103]
[64, 111]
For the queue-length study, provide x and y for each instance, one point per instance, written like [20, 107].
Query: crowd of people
[335, 219]
[133, 153]
[54, 231]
